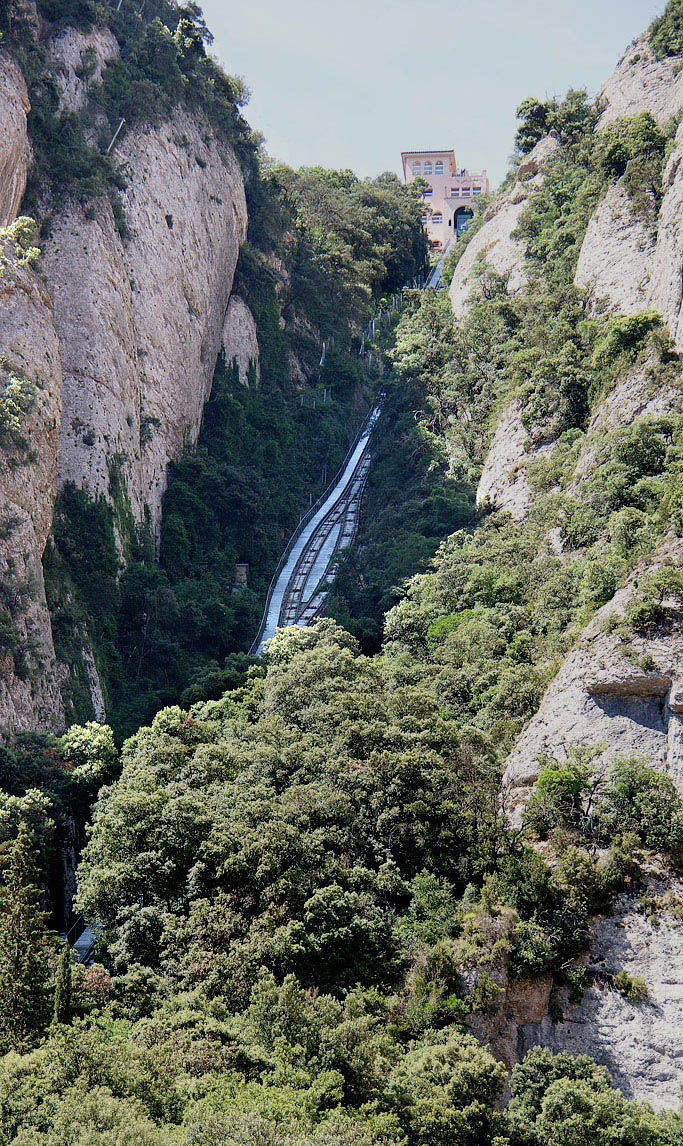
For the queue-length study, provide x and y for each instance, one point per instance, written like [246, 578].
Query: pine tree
[62, 1008]
[24, 940]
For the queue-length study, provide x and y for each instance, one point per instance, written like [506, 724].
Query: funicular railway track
[306, 569]
[301, 582]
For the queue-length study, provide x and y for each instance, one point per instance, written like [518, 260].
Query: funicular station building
[450, 192]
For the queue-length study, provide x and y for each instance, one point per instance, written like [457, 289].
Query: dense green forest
[304, 887]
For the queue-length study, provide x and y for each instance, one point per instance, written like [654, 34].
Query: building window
[476, 190]
[466, 191]
[427, 193]
[437, 217]
[428, 168]
[424, 220]
[416, 168]
[455, 192]
[438, 168]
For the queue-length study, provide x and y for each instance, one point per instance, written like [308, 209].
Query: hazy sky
[353, 83]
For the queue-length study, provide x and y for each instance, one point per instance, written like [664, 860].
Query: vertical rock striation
[240, 340]
[140, 319]
[15, 149]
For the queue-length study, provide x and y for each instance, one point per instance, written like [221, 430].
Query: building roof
[435, 151]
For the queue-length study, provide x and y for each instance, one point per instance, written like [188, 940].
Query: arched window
[437, 217]
[416, 168]
[427, 193]
[438, 168]
[428, 169]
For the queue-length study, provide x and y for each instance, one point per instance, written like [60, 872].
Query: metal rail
[310, 513]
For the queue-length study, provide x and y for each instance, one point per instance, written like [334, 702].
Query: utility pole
[115, 137]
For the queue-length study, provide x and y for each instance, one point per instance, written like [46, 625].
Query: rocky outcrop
[640, 392]
[615, 690]
[640, 1043]
[666, 284]
[504, 483]
[29, 690]
[616, 255]
[493, 243]
[642, 83]
[240, 341]
[77, 60]
[85, 267]
[140, 320]
[15, 150]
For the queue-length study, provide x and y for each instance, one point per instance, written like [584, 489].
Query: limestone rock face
[85, 267]
[641, 1044]
[504, 483]
[239, 338]
[29, 695]
[71, 52]
[642, 83]
[141, 320]
[602, 694]
[616, 254]
[493, 242]
[666, 285]
[15, 149]
[188, 220]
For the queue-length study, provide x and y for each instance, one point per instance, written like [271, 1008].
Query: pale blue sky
[351, 84]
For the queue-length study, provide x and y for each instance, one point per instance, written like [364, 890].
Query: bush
[666, 32]
[632, 987]
[577, 981]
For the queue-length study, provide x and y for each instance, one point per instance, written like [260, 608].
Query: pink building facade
[450, 194]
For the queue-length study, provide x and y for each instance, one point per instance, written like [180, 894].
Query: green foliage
[568, 119]
[666, 32]
[21, 233]
[632, 987]
[577, 981]
[62, 999]
[625, 334]
[562, 1101]
[23, 948]
[634, 147]
[649, 608]
[445, 1093]
[16, 401]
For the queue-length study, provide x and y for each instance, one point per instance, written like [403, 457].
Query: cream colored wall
[440, 201]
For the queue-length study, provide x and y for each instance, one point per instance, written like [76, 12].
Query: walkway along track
[306, 569]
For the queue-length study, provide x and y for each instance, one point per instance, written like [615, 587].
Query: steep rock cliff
[140, 320]
[603, 695]
[29, 692]
[77, 60]
[642, 83]
[15, 150]
[639, 1043]
[504, 483]
[666, 281]
[617, 253]
[239, 339]
[493, 243]
[86, 272]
